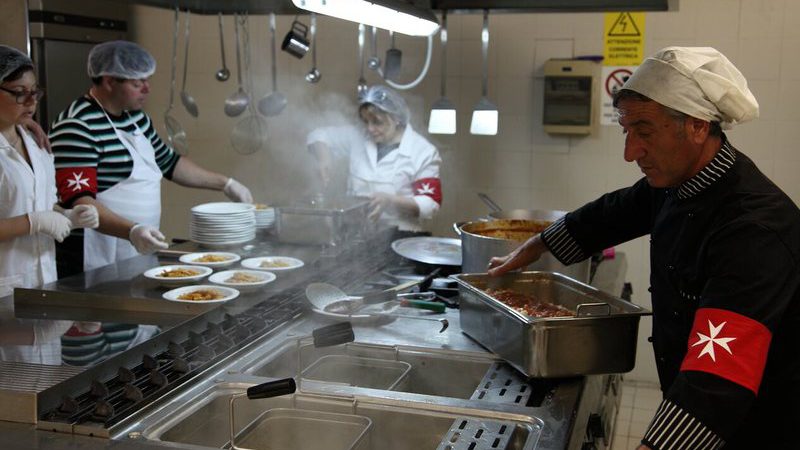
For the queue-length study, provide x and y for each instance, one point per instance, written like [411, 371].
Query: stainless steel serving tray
[600, 339]
[322, 222]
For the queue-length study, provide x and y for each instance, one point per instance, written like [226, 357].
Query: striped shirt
[89, 156]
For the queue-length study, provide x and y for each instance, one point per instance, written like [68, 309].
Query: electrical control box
[571, 95]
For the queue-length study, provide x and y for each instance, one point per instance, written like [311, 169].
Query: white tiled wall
[521, 167]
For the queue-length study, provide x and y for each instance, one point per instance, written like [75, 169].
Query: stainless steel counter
[448, 369]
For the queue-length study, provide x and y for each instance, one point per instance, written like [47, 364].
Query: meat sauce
[528, 304]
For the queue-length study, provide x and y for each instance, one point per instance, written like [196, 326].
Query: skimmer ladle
[186, 99]
[237, 103]
[175, 132]
[272, 104]
[222, 74]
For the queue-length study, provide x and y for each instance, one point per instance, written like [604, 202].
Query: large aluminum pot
[527, 214]
[483, 239]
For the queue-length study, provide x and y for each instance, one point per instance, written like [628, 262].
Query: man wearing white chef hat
[725, 256]
[108, 154]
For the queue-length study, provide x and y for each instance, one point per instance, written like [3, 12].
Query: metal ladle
[175, 133]
[362, 87]
[222, 74]
[237, 103]
[273, 104]
[186, 99]
[250, 133]
[374, 62]
[313, 75]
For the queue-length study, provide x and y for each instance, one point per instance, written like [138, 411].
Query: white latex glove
[82, 216]
[237, 192]
[147, 239]
[51, 223]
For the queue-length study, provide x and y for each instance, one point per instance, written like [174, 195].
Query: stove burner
[102, 411]
[148, 362]
[132, 393]
[175, 350]
[68, 407]
[98, 390]
[158, 379]
[125, 375]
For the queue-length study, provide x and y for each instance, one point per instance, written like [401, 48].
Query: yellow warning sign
[623, 35]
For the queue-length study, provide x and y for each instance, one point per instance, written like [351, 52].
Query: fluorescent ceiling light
[392, 15]
[443, 117]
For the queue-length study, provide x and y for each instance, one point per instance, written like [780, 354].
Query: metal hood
[458, 6]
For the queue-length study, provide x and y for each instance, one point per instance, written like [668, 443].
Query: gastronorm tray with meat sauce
[554, 326]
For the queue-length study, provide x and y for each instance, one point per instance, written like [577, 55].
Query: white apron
[137, 198]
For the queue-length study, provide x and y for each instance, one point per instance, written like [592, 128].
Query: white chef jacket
[28, 261]
[412, 170]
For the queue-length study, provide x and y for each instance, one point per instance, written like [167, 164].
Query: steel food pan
[600, 339]
[322, 223]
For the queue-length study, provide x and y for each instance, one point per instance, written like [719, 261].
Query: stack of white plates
[265, 218]
[222, 223]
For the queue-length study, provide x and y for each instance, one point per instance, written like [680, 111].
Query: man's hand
[51, 223]
[237, 192]
[147, 239]
[82, 216]
[39, 136]
[523, 255]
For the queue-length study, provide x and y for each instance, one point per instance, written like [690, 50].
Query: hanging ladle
[374, 62]
[272, 104]
[237, 102]
[175, 133]
[313, 75]
[222, 74]
[362, 87]
[186, 99]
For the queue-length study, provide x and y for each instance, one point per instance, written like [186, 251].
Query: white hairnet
[11, 59]
[387, 101]
[698, 81]
[121, 59]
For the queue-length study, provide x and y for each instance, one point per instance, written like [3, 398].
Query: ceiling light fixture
[443, 111]
[484, 116]
[392, 15]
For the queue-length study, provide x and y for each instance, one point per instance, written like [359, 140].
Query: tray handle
[580, 311]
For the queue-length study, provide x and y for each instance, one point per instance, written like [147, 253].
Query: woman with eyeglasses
[30, 220]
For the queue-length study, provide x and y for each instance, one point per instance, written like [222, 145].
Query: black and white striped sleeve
[561, 243]
[673, 428]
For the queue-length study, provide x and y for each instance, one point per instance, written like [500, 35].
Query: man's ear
[697, 130]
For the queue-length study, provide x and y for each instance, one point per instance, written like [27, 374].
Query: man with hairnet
[389, 161]
[724, 254]
[108, 154]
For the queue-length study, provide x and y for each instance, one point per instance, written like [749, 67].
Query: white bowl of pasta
[244, 280]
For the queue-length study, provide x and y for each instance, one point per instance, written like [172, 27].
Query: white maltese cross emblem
[426, 189]
[77, 181]
[711, 340]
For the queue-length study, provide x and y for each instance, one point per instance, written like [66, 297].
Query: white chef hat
[387, 101]
[698, 81]
[121, 59]
[12, 59]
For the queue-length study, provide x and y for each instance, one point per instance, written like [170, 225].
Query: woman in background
[30, 220]
[390, 163]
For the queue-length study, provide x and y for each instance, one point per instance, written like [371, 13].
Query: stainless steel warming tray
[601, 338]
[322, 222]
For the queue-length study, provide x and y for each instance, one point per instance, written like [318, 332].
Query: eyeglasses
[23, 97]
